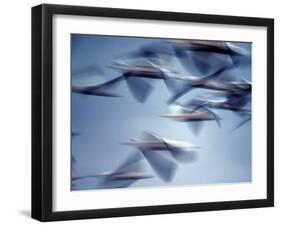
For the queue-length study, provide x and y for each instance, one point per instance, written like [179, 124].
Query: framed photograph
[145, 112]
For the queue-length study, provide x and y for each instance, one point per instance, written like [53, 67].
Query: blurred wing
[238, 100]
[243, 122]
[150, 137]
[132, 163]
[210, 47]
[240, 57]
[153, 50]
[180, 93]
[162, 163]
[110, 84]
[181, 155]
[216, 117]
[184, 156]
[103, 89]
[185, 59]
[139, 88]
[174, 84]
[196, 127]
[218, 73]
[203, 66]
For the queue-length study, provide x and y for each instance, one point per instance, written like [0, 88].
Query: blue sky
[104, 122]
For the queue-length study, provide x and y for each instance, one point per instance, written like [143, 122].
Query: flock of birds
[212, 64]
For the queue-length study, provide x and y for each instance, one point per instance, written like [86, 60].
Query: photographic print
[155, 112]
[130, 106]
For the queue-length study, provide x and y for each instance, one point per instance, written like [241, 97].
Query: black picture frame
[42, 111]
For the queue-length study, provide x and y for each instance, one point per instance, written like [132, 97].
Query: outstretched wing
[140, 88]
[218, 73]
[150, 136]
[162, 163]
[153, 50]
[110, 84]
[180, 93]
[132, 163]
[195, 127]
[180, 154]
[104, 89]
[243, 122]
[204, 108]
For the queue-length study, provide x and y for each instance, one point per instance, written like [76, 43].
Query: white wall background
[15, 113]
